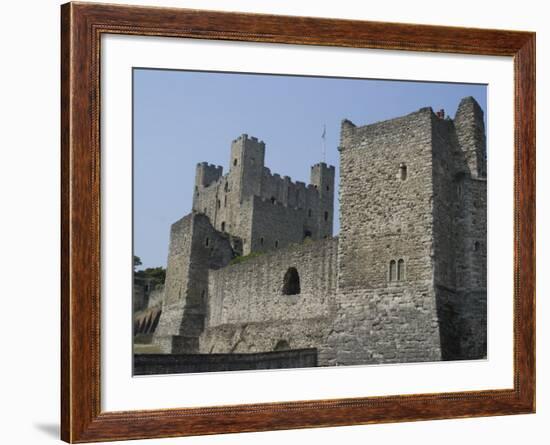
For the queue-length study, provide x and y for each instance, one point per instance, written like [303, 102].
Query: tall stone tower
[412, 239]
[246, 166]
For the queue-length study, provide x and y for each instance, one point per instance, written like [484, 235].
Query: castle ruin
[255, 267]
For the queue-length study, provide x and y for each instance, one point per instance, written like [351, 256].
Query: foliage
[156, 274]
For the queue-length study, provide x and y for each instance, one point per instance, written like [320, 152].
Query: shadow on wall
[463, 327]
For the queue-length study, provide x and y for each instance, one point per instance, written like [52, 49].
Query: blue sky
[184, 117]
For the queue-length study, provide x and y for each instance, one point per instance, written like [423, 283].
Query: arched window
[326, 216]
[291, 282]
[400, 270]
[307, 234]
[276, 244]
[223, 226]
[328, 188]
[262, 241]
[476, 246]
[218, 203]
[235, 162]
[393, 270]
[273, 200]
[225, 201]
[282, 345]
[309, 213]
[203, 294]
[207, 241]
[402, 171]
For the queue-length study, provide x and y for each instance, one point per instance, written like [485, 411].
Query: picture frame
[82, 25]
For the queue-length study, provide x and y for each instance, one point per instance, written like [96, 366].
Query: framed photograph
[274, 222]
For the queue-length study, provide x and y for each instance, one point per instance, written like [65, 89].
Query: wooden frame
[81, 27]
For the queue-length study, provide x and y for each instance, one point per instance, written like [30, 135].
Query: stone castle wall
[248, 312]
[404, 282]
[251, 291]
[195, 248]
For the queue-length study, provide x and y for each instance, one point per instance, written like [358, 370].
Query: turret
[322, 178]
[347, 128]
[206, 174]
[246, 165]
[470, 131]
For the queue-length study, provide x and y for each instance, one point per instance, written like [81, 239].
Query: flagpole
[324, 143]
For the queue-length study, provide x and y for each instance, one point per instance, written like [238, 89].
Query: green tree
[137, 262]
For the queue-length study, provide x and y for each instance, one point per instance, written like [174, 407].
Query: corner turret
[470, 131]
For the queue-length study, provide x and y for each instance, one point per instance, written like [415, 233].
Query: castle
[255, 268]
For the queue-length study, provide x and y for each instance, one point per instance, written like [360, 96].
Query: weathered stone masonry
[405, 280]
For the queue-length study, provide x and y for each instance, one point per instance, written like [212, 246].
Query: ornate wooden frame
[81, 28]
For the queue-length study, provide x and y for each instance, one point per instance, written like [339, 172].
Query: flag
[324, 131]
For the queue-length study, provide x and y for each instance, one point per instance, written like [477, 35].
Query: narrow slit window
[402, 171]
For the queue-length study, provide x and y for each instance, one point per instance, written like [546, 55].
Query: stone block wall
[252, 291]
[274, 225]
[248, 312]
[151, 364]
[386, 195]
[394, 324]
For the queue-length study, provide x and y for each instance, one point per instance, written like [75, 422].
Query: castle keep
[254, 267]
[261, 211]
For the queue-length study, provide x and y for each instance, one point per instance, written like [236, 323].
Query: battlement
[324, 165]
[207, 173]
[287, 180]
[351, 132]
[467, 128]
[244, 137]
